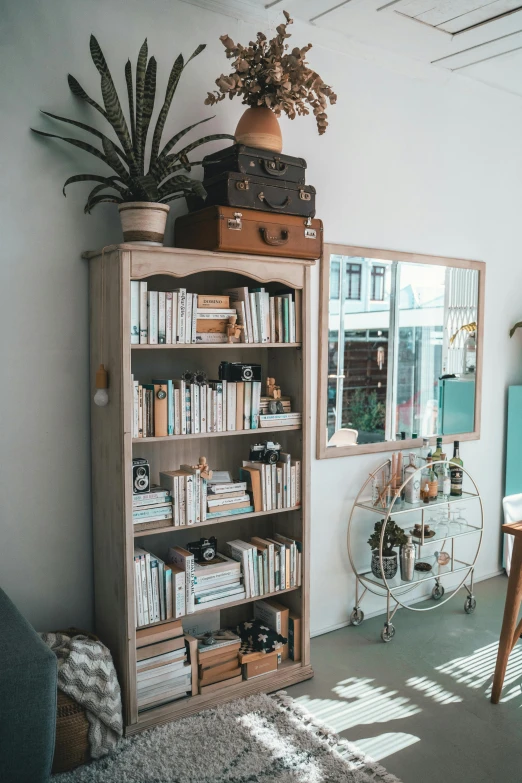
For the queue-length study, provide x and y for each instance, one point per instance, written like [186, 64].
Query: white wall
[413, 160]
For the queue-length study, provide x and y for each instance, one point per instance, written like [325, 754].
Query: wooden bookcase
[113, 447]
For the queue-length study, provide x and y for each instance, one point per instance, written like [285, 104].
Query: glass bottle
[412, 487]
[444, 479]
[456, 471]
[438, 450]
[425, 451]
[433, 484]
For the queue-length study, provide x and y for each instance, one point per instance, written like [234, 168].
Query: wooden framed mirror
[400, 350]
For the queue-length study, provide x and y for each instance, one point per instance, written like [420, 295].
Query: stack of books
[162, 671]
[273, 486]
[268, 564]
[153, 506]
[171, 317]
[178, 407]
[152, 588]
[217, 581]
[218, 665]
[189, 494]
[226, 498]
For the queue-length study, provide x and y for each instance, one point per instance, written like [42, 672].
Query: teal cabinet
[514, 442]
[457, 405]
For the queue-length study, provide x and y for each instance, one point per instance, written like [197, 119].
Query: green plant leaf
[174, 140]
[100, 199]
[87, 128]
[130, 95]
[195, 53]
[97, 190]
[107, 181]
[149, 186]
[187, 166]
[79, 92]
[81, 144]
[149, 94]
[204, 140]
[172, 83]
[171, 197]
[115, 163]
[141, 68]
[184, 182]
[116, 118]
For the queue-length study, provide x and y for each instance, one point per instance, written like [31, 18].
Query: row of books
[273, 486]
[163, 672]
[171, 317]
[268, 564]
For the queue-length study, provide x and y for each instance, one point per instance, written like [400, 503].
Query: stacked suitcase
[257, 202]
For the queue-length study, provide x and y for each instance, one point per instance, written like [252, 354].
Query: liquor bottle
[425, 451]
[456, 471]
[433, 484]
[412, 487]
[438, 451]
[444, 479]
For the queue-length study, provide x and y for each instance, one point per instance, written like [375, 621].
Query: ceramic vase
[259, 127]
[143, 222]
[389, 563]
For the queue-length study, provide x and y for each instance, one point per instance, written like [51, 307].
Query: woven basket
[71, 747]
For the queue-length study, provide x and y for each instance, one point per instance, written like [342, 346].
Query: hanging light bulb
[101, 398]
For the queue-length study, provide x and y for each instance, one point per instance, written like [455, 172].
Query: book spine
[210, 425]
[174, 337]
[179, 594]
[190, 511]
[170, 408]
[203, 408]
[194, 318]
[277, 571]
[182, 501]
[203, 511]
[145, 590]
[153, 317]
[247, 405]
[182, 314]
[297, 482]
[135, 409]
[218, 489]
[196, 481]
[291, 319]
[188, 318]
[196, 408]
[279, 319]
[188, 416]
[266, 314]
[155, 593]
[286, 331]
[224, 405]
[255, 319]
[292, 486]
[161, 318]
[266, 572]
[144, 316]
[252, 559]
[168, 318]
[279, 487]
[137, 590]
[267, 470]
[189, 575]
[135, 312]
[272, 319]
[256, 401]
[217, 502]
[229, 512]
[148, 498]
[175, 501]
[231, 406]
[177, 416]
[210, 337]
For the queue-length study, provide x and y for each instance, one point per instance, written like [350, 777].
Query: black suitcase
[260, 163]
[247, 192]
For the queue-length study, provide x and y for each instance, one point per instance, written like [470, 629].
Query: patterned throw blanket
[86, 673]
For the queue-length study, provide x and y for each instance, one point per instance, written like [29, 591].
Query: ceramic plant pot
[389, 563]
[259, 127]
[143, 222]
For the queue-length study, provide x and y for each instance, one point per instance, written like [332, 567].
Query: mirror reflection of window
[395, 330]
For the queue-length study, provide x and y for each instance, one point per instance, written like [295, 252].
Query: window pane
[335, 267]
[420, 340]
[353, 281]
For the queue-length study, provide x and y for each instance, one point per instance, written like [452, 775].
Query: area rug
[259, 739]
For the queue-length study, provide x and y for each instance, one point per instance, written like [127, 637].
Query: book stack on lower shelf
[218, 665]
[163, 672]
[153, 506]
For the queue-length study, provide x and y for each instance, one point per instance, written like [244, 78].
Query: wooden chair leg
[509, 623]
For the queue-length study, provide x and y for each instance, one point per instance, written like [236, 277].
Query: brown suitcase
[249, 231]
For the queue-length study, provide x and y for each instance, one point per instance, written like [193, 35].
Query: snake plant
[163, 181]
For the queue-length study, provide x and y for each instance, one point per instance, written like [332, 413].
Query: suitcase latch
[242, 184]
[310, 233]
[235, 224]
[304, 195]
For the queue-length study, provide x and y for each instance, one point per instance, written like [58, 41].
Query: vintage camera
[237, 371]
[268, 452]
[203, 550]
[140, 475]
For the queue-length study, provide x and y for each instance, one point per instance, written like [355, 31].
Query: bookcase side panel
[306, 458]
[108, 464]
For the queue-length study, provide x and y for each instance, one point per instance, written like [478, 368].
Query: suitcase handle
[270, 240]
[273, 172]
[275, 207]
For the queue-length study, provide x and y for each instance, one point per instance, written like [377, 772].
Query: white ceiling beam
[329, 10]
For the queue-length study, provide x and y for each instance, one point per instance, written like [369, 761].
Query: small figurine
[204, 469]
[233, 328]
[272, 390]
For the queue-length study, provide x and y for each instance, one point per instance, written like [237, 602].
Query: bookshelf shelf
[258, 432]
[113, 448]
[219, 346]
[217, 521]
[229, 605]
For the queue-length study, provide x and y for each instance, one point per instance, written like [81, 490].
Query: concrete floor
[420, 703]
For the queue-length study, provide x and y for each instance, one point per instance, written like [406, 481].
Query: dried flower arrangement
[267, 74]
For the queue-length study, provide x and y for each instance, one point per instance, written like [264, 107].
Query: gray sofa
[28, 700]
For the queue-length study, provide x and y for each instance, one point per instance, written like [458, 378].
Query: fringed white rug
[255, 740]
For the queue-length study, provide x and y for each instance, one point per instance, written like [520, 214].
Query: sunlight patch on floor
[476, 670]
[359, 703]
[433, 690]
[386, 744]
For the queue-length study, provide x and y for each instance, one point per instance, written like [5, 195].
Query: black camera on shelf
[237, 371]
[268, 452]
[203, 550]
[140, 475]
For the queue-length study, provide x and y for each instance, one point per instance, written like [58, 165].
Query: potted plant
[142, 195]
[393, 536]
[271, 79]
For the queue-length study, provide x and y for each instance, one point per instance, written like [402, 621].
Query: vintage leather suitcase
[248, 192]
[259, 163]
[249, 231]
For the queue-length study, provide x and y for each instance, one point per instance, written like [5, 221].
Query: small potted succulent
[393, 536]
[142, 194]
[271, 78]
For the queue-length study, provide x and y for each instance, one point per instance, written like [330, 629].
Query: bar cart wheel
[357, 616]
[470, 604]
[437, 592]
[388, 632]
